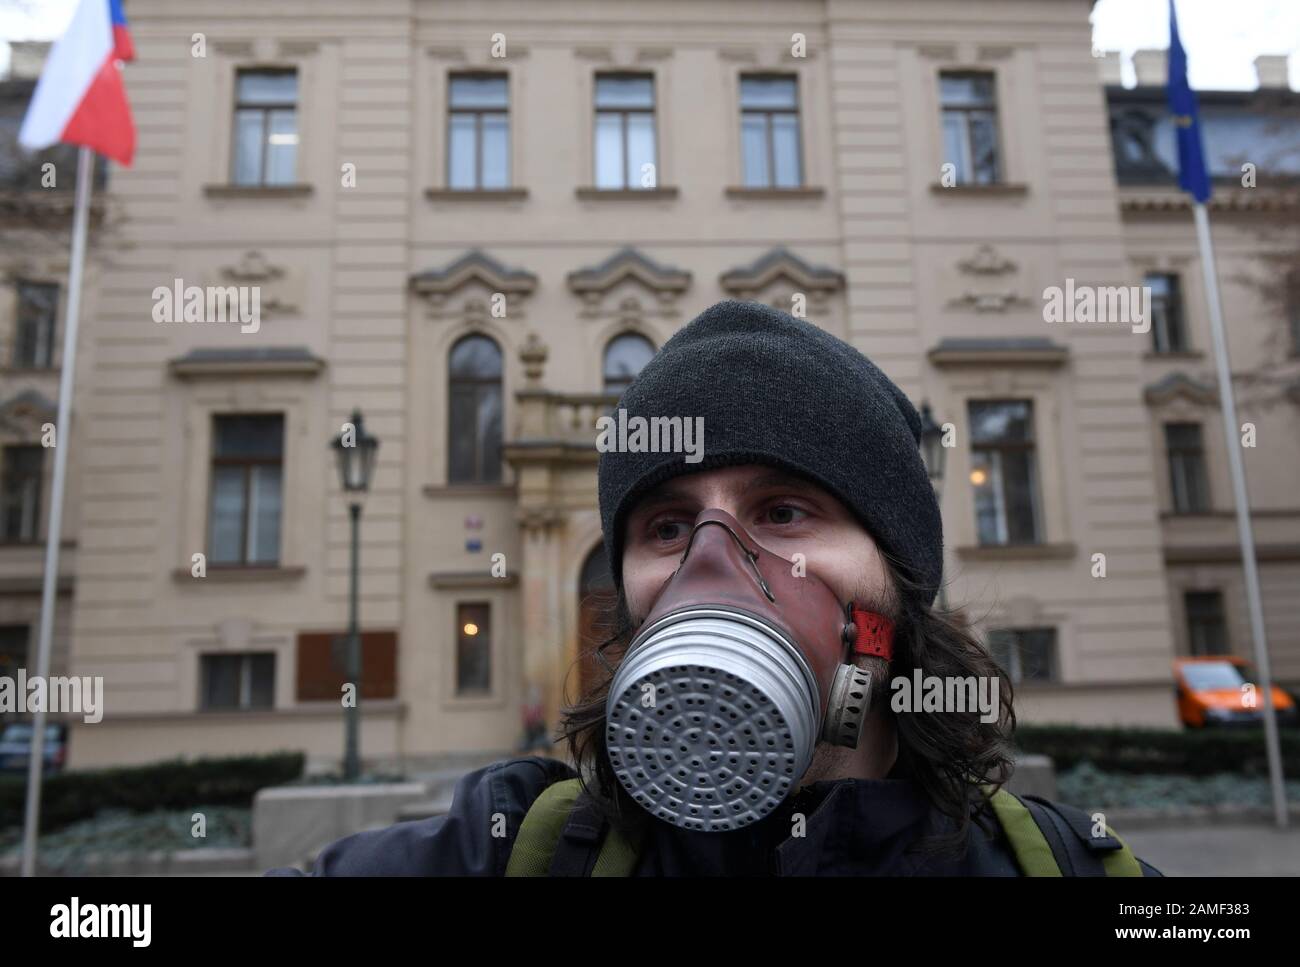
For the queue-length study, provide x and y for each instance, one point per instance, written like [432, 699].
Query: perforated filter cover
[727, 734]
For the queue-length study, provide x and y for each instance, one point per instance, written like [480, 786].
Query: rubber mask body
[736, 673]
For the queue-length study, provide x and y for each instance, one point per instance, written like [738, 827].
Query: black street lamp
[355, 450]
[935, 455]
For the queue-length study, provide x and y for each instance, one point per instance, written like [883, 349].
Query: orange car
[1211, 692]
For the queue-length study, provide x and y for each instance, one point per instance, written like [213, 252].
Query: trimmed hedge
[1195, 752]
[174, 784]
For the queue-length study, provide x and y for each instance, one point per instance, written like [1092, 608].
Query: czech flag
[80, 98]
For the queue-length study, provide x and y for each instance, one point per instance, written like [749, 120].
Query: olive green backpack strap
[1043, 848]
[557, 823]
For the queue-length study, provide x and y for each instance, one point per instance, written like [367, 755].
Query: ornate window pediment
[776, 277]
[611, 289]
[1180, 386]
[472, 286]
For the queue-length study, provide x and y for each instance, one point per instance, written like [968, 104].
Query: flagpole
[1228, 405]
[53, 534]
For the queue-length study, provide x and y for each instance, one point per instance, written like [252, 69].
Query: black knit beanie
[779, 391]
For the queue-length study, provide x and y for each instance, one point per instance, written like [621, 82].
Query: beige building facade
[473, 221]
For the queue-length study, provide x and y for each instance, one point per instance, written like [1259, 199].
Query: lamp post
[355, 450]
[935, 455]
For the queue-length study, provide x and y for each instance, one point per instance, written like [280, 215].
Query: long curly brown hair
[950, 755]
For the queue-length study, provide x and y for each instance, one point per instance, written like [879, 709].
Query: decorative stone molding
[281, 293]
[985, 353]
[987, 261]
[471, 580]
[767, 56]
[22, 415]
[594, 286]
[999, 301]
[1059, 551]
[441, 288]
[234, 48]
[298, 48]
[946, 52]
[1225, 199]
[536, 521]
[261, 361]
[1180, 386]
[533, 355]
[779, 274]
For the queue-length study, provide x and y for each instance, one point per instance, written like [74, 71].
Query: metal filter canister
[711, 717]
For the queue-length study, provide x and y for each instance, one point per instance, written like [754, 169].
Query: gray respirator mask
[740, 668]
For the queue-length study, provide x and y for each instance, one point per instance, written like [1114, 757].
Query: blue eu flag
[1192, 175]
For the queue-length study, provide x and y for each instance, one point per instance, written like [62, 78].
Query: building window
[475, 408]
[1025, 654]
[1187, 478]
[970, 127]
[238, 681]
[1168, 332]
[473, 649]
[1207, 629]
[266, 127]
[247, 490]
[13, 649]
[769, 132]
[38, 305]
[1004, 472]
[624, 357]
[21, 469]
[625, 131]
[478, 132]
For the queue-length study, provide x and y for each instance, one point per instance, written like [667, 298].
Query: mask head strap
[875, 634]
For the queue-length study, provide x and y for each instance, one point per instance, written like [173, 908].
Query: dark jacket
[853, 827]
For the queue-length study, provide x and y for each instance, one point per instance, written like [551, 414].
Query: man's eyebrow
[659, 497]
[779, 479]
[669, 495]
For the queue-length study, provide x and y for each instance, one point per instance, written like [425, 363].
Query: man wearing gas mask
[769, 593]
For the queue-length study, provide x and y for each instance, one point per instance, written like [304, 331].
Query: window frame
[245, 659]
[50, 328]
[964, 111]
[454, 381]
[1036, 509]
[265, 110]
[247, 462]
[1200, 469]
[1217, 615]
[36, 493]
[477, 113]
[624, 334]
[1174, 311]
[768, 139]
[464, 611]
[1018, 643]
[623, 112]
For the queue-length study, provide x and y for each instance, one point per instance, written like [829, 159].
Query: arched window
[474, 405]
[596, 601]
[624, 357]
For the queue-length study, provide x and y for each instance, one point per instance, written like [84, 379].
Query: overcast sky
[1222, 37]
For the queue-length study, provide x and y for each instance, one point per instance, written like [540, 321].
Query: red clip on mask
[874, 634]
[739, 670]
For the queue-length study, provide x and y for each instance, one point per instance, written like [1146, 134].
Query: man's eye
[667, 530]
[784, 514]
